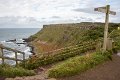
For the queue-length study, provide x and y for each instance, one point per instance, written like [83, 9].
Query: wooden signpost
[107, 11]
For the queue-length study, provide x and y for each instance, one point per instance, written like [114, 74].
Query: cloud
[56, 11]
[56, 17]
[85, 10]
[18, 21]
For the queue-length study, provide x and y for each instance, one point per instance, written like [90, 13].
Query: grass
[78, 64]
[36, 62]
[63, 35]
[10, 71]
[115, 35]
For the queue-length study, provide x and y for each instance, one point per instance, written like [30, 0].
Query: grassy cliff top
[55, 36]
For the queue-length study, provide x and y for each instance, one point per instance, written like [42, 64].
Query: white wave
[27, 49]
[11, 55]
[19, 41]
[2, 41]
[18, 54]
[21, 47]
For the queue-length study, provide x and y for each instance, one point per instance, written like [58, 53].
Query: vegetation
[115, 35]
[78, 64]
[82, 35]
[9, 71]
[66, 35]
[60, 56]
[63, 35]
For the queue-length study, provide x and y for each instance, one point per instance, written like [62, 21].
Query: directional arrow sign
[103, 9]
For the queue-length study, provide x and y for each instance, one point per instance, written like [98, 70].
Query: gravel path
[109, 70]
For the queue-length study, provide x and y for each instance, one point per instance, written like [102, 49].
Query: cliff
[55, 36]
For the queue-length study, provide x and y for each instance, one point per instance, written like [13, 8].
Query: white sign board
[103, 9]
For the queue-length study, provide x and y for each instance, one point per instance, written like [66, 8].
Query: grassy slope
[39, 61]
[78, 64]
[10, 71]
[61, 35]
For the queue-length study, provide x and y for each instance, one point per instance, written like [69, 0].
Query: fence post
[16, 58]
[3, 61]
[24, 59]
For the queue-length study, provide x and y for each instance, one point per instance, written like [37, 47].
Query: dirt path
[107, 71]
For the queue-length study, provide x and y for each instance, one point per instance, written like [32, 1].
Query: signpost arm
[106, 27]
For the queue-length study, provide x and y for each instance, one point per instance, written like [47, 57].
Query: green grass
[64, 35]
[10, 71]
[71, 34]
[63, 55]
[115, 35]
[77, 64]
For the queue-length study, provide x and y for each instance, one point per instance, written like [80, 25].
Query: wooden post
[107, 11]
[3, 61]
[106, 27]
[24, 59]
[16, 58]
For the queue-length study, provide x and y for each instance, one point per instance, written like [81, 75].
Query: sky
[35, 13]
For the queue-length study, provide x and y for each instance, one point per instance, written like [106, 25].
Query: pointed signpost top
[107, 11]
[103, 10]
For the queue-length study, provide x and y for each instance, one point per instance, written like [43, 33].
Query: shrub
[63, 55]
[9, 71]
[77, 64]
[116, 46]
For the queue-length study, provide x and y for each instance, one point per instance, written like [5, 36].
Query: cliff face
[61, 35]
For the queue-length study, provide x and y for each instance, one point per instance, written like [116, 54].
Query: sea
[11, 37]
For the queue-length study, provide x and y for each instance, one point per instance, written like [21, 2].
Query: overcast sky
[34, 13]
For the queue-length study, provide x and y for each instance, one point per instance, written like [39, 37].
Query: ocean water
[7, 34]
[16, 33]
